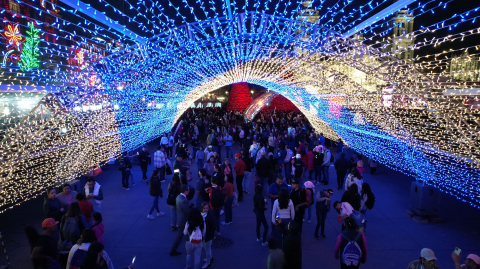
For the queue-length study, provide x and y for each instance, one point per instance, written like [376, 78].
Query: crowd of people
[281, 159]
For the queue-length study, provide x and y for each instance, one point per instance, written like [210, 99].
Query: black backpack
[370, 200]
[217, 198]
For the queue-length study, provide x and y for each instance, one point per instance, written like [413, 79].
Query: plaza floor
[393, 238]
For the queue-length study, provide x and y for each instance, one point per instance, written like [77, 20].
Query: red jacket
[87, 209]
[240, 167]
[310, 159]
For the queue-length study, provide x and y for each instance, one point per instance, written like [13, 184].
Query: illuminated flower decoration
[13, 35]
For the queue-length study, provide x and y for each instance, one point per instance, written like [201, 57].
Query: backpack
[191, 193]
[370, 200]
[196, 236]
[309, 194]
[217, 198]
[77, 259]
[70, 229]
[171, 199]
[352, 253]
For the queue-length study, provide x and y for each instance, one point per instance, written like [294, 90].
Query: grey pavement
[393, 238]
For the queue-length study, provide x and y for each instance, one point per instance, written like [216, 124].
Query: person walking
[263, 171]
[194, 230]
[351, 246]
[284, 211]
[160, 163]
[164, 143]
[157, 192]
[145, 160]
[174, 189]
[373, 166]
[367, 201]
[246, 173]
[183, 211]
[228, 191]
[240, 167]
[200, 158]
[322, 207]
[171, 142]
[217, 200]
[259, 208]
[326, 166]
[209, 218]
[341, 166]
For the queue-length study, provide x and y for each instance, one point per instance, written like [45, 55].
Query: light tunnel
[146, 86]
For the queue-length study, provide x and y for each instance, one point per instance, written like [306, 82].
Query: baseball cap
[427, 254]
[298, 156]
[474, 258]
[238, 155]
[50, 222]
[295, 181]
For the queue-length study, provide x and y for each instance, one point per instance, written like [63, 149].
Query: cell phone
[277, 216]
[133, 261]
[457, 251]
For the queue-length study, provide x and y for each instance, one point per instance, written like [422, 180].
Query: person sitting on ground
[427, 260]
[472, 261]
[276, 258]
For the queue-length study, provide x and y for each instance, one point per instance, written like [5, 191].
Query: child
[97, 226]
[200, 157]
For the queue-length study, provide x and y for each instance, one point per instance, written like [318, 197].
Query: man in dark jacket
[183, 209]
[210, 224]
[299, 200]
[341, 166]
[322, 207]
[263, 171]
[145, 160]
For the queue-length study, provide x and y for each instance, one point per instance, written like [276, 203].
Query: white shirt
[286, 213]
[346, 209]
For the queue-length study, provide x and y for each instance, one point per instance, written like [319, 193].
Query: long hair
[97, 217]
[356, 173]
[88, 236]
[90, 260]
[283, 198]
[154, 174]
[353, 189]
[74, 211]
[195, 220]
[366, 190]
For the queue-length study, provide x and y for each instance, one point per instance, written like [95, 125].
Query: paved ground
[393, 238]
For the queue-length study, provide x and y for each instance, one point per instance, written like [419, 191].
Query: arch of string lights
[112, 99]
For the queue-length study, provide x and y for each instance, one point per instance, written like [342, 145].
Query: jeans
[125, 179]
[246, 176]
[310, 172]
[144, 171]
[321, 217]
[318, 173]
[217, 219]
[130, 174]
[340, 178]
[279, 233]
[194, 251]
[179, 237]
[200, 164]
[155, 205]
[228, 151]
[194, 151]
[173, 218]
[263, 181]
[161, 172]
[239, 186]
[228, 210]
[261, 220]
[208, 250]
[326, 173]
[309, 211]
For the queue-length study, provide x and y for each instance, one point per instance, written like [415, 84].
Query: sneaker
[259, 240]
[265, 244]
[150, 216]
[206, 265]
[226, 223]
[160, 214]
[127, 189]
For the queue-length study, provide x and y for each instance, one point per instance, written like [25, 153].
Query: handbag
[97, 171]
[168, 170]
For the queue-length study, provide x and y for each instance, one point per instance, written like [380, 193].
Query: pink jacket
[99, 230]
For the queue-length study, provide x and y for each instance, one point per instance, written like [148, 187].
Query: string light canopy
[387, 90]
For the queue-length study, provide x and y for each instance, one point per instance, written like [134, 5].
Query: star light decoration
[405, 113]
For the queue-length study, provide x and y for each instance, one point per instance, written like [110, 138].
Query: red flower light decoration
[239, 98]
